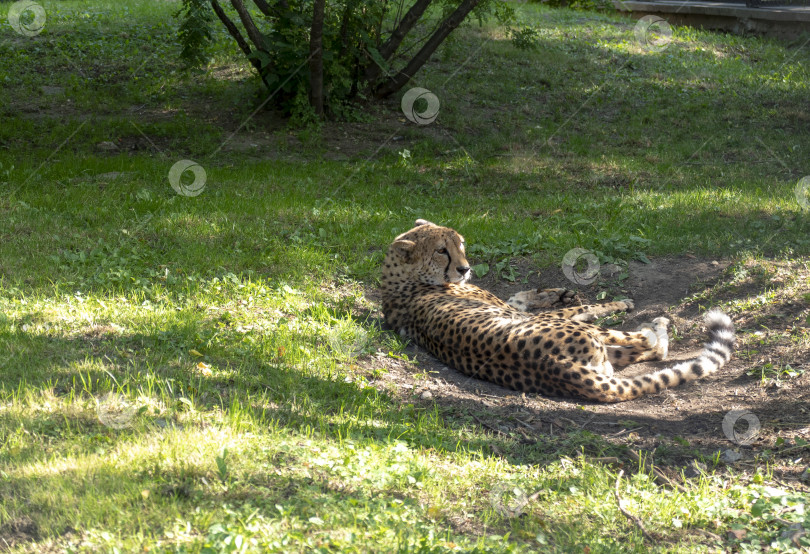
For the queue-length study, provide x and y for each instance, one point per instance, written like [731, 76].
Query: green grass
[229, 332]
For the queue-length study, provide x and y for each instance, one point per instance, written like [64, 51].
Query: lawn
[210, 373]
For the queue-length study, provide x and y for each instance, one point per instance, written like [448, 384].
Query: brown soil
[686, 421]
[17, 531]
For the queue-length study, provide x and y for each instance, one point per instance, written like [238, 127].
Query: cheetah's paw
[659, 339]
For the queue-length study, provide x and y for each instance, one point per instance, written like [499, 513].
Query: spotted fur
[426, 297]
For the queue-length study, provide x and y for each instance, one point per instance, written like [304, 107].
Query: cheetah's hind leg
[530, 300]
[649, 342]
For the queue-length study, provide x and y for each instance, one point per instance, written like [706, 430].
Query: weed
[769, 372]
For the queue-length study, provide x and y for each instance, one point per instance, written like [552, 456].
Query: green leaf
[480, 270]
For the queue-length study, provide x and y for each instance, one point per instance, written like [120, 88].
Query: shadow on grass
[45, 370]
[176, 493]
[265, 384]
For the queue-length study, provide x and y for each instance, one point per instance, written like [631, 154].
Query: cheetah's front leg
[590, 312]
[529, 300]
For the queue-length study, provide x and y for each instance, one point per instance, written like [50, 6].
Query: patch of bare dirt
[685, 422]
[17, 531]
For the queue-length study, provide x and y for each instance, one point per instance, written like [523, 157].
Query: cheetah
[427, 298]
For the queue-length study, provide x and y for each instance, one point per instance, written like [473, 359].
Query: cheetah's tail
[716, 353]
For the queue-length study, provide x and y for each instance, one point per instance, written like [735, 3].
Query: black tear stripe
[447, 269]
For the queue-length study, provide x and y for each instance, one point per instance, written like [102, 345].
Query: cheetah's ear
[403, 248]
[420, 222]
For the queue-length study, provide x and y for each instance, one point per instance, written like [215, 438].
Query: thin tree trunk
[447, 26]
[316, 58]
[240, 40]
[253, 33]
[347, 41]
[344, 26]
[411, 18]
[234, 32]
[390, 46]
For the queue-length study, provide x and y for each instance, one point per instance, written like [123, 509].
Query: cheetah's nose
[464, 269]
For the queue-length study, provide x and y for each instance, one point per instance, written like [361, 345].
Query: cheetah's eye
[443, 251]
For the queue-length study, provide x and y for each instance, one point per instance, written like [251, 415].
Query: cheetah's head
[428, 254]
